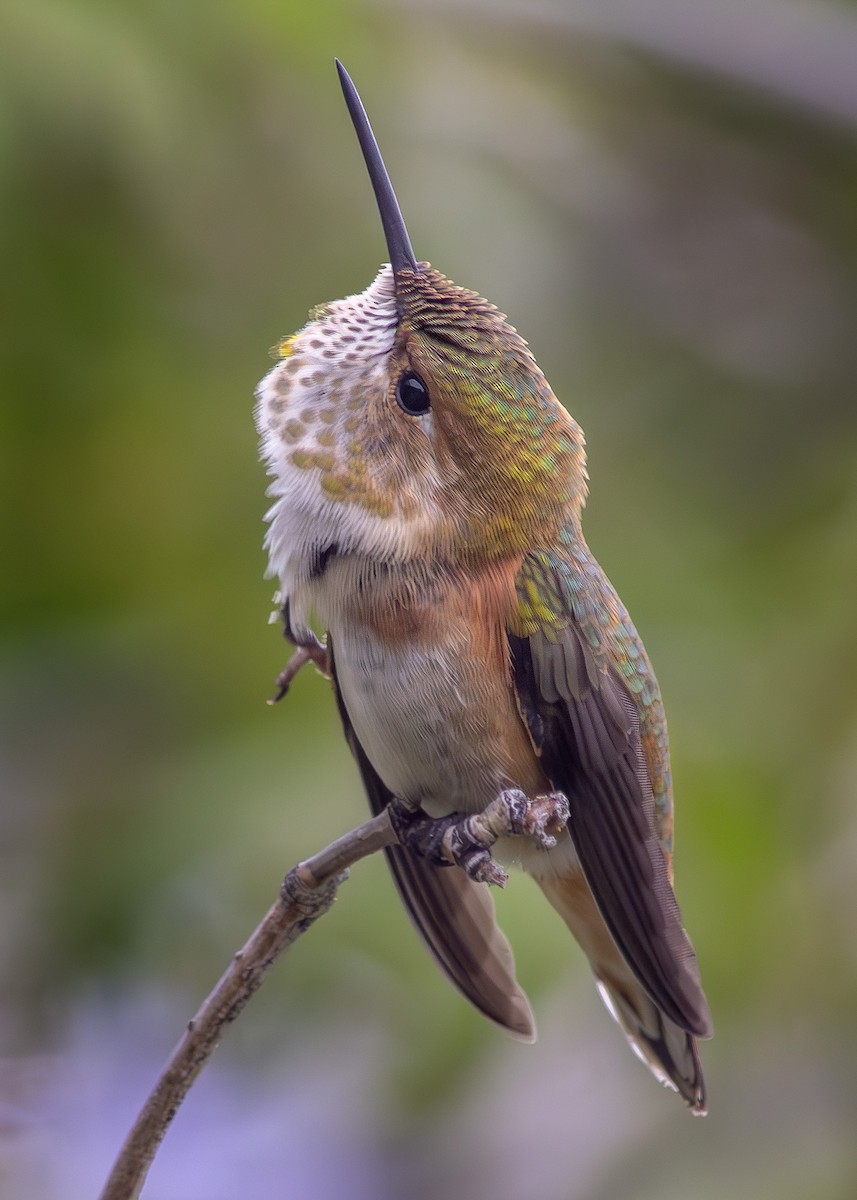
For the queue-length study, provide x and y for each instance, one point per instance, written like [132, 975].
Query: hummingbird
[428, 489]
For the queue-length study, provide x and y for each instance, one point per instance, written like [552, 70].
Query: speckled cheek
[313, 422]
[296, 396]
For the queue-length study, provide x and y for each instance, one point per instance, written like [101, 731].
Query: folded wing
[586, 727]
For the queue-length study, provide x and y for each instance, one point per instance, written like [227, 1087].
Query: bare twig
[307, 892]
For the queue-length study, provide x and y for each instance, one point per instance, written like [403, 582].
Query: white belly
[421, 717]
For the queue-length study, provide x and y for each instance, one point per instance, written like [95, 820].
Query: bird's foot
[541, 818]
[466, 841]
[308, 649]
[446, 842]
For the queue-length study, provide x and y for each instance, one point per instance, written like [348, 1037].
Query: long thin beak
[398, 242]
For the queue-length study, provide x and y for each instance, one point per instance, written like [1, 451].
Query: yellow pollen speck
[284, 348]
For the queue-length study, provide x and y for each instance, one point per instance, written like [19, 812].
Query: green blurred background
[663, 197]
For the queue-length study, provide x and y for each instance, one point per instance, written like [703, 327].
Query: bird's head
[412, 421]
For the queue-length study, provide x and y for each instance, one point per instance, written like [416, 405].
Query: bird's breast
[423, 669]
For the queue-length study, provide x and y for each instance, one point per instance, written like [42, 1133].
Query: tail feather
[669, 1051]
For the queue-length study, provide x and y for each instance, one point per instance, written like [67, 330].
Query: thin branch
[307, 892]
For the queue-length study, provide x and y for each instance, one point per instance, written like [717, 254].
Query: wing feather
[586, 726]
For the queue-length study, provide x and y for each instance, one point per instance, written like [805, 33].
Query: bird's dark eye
[412, 394]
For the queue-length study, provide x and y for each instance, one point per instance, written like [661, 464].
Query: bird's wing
[454, 915]
[585, 725]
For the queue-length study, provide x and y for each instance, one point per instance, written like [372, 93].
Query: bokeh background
[663, 196]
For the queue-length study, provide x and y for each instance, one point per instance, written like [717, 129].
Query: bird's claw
[466, 841]
[421, 834]
[541, 818]
[308, 649]
[473, 856]
[448, 841]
